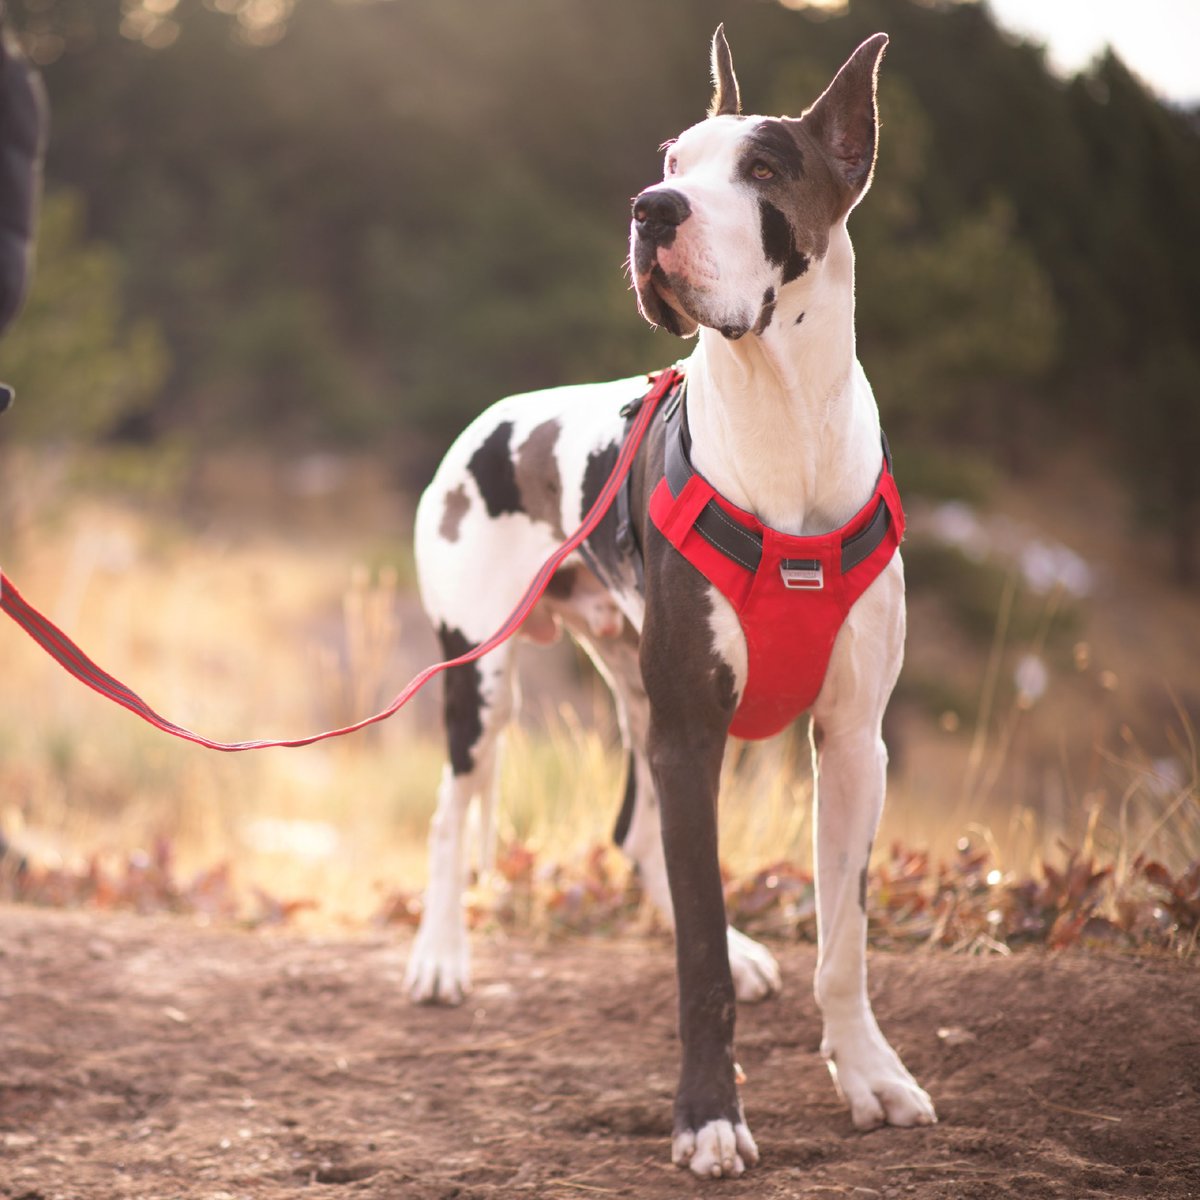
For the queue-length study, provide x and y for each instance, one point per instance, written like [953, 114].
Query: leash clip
[802, 574]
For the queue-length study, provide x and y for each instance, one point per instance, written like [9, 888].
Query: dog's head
[746, 204]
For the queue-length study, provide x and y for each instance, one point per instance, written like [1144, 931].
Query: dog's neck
[783, 423]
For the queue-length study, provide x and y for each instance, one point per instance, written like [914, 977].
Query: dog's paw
[439, 970]
[873, 1081]
[755, 971]
[719, 1149]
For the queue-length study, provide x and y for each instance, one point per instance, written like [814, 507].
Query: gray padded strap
[743, 545]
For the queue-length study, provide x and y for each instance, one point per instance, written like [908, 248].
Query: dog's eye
[672, 165]
[762, 170]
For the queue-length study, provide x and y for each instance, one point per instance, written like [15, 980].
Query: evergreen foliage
[355, 219]
[78, 365]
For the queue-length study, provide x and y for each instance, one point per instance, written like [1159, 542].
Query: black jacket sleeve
[22, 143]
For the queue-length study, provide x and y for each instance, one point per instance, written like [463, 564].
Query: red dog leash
[72, 658]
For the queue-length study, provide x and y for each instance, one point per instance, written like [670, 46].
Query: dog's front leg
[691, 702]
[850, 768]
[710, 1134]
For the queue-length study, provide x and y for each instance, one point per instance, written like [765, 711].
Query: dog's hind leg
[638, 830]
[478, 706]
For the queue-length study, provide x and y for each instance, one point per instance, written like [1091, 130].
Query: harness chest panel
[791, 594]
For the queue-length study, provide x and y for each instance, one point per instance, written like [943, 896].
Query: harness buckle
[802, 574]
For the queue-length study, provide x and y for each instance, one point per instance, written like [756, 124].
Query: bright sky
[1157, 39]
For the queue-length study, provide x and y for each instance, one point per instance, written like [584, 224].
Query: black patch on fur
[628, 803]
[796, 265]
[658, 235]
[726, 686]
[455, 507]
[777, 237]
[767, 311]
[561, 584]
[799, 318]
[670, 320]
[770, 142]
[643, 257]
[669, 317]
[538, 480]
[463, 702]
[779, 242]
[494, 472]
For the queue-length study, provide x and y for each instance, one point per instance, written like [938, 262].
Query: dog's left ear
[726, 99]
[844, 119]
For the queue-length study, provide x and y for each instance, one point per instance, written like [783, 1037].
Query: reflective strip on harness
[791, 594]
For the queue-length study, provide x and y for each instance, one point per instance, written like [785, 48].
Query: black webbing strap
[628, 543]
[743, 545]
[862, 545]
[626, 536]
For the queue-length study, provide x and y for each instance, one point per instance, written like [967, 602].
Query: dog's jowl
[747, 574]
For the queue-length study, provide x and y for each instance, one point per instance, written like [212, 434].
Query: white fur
[851, 774]
[590, 418]
[719, 1149]
[756, 974]
[785, 424]
[439, 963]
[727, 637]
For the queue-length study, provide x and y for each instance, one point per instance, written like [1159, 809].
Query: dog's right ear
[726, 99]
[844, 119]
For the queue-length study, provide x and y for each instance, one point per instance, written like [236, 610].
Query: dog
[762, 494]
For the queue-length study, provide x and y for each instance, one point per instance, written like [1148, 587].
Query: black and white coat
[743, 242]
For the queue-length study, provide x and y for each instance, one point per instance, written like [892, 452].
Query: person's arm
[23, 119]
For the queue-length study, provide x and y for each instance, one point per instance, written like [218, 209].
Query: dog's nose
[658, 212]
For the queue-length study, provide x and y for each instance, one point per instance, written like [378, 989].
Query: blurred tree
[1161, 445]
[957, 320]
[350, 219]
[79, 363]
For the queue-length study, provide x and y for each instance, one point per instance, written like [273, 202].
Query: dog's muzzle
[658, 213]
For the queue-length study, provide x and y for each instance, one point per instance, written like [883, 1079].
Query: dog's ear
[844, 119]
[726, 99]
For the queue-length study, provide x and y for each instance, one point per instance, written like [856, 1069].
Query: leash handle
[69, 656]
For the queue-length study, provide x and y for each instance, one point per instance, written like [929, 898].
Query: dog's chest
[777, 600]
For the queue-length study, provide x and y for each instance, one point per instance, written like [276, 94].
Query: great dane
[748, 573]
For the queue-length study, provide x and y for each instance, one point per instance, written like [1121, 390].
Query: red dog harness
[791, 594]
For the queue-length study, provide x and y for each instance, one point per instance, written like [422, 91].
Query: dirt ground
[147, 1057]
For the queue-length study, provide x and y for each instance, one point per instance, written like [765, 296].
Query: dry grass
[244, 628]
